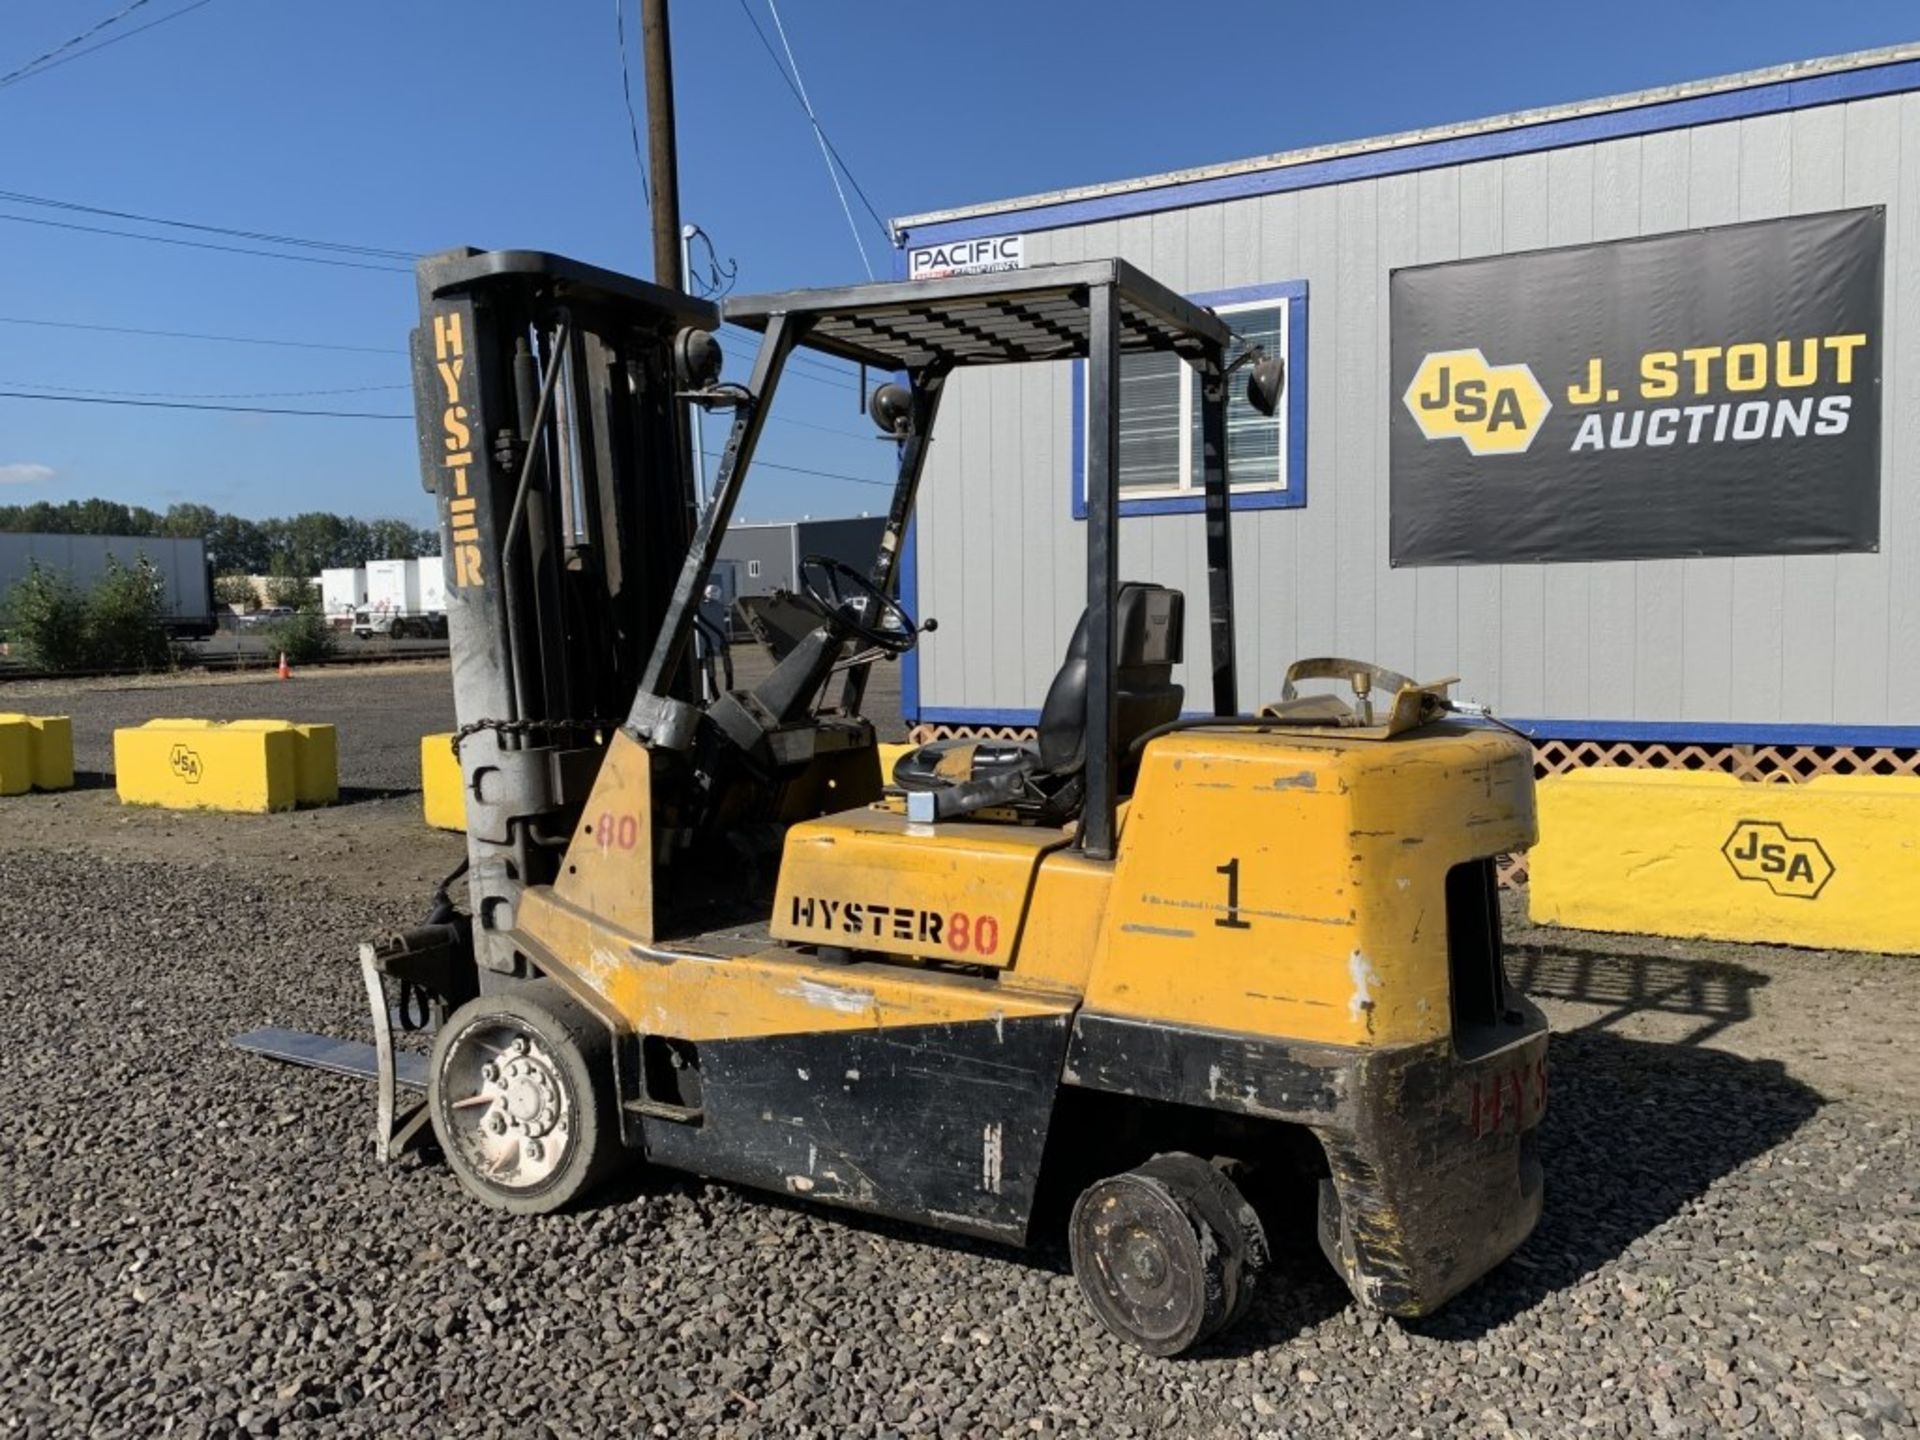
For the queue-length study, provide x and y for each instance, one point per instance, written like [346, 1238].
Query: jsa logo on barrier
[1795, 866]
[1491, 409]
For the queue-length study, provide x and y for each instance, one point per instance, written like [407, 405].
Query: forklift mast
[551, 435]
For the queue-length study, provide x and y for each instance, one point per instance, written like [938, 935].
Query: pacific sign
[967, 257]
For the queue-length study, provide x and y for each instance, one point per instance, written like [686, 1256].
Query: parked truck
[406, 600]
[180, 565]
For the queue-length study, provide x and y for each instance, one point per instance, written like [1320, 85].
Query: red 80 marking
[979, 934]
[617, 833]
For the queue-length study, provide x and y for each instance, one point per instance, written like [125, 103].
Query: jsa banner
[1715, 392]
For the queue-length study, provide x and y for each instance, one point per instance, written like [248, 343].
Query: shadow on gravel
[1634, 1131]
[1719, 995]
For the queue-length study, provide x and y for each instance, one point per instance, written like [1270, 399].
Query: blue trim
[1294, 292]
[1899, 737]
[1770, 99]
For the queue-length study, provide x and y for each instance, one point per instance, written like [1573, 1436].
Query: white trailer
[343, 591]
[432, 584]
[179, 565]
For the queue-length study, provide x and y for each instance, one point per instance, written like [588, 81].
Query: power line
[826, 156]
[199, 335]
[195, 405]
[759, 464]
[201, 394]
[28, 74]
[66, 45]
[626, 89]
[268, 236]
[102, 399]
[205, 245]
[767, 45]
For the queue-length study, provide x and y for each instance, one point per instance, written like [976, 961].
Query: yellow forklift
[1147, 962]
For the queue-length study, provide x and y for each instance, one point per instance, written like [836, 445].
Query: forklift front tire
[1166, 1253]
[521, 1093]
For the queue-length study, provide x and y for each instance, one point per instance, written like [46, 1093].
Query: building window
[753, 569]
[1161, 448]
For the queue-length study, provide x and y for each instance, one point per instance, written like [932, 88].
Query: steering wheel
[847, 597]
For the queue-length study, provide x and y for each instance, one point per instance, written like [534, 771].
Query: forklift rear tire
[521, 1093]
[1167, 1253]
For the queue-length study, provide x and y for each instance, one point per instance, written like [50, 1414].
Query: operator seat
[1044, 779]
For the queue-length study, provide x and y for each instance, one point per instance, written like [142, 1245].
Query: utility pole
[657, 42]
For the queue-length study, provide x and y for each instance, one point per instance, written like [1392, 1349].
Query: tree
[235, 591]
[296, 545]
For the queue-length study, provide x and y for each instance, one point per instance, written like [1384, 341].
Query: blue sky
[422, 125]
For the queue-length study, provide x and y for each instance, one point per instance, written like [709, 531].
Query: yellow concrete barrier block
[205, 765]
[443, 790]
[16, 755]
[49, 753]
[1832, 863]
[316, 758]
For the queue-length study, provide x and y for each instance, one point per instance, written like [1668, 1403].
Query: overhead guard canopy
[1010, 317]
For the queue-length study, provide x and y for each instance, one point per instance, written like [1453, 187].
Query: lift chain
[526, 728]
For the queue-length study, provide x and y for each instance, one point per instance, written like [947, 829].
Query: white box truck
[394, 606]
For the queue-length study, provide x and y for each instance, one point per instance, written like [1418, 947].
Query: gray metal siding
[1764, 639]
[769, 545]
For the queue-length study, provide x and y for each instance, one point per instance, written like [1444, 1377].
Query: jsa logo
[1491, 409]
[1792, 865]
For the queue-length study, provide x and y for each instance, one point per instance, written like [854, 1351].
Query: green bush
[47, 620]
[305, 639]
[127, 620]
[292, 591]
[119, 625]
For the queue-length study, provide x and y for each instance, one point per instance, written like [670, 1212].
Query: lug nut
[536, 1152]
[496, 1124]
[490, 1073]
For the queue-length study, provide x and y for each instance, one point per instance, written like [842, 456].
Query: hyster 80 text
[960, 933]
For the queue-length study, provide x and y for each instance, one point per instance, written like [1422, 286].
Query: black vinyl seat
[1045, 779]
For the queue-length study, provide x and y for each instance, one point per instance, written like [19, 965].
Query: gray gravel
[195, 1242]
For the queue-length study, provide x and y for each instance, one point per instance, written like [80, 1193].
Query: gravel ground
[193, 1241]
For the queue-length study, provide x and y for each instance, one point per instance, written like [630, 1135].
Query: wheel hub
[514, 1107]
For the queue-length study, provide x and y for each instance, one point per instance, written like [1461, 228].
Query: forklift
[1147, 965]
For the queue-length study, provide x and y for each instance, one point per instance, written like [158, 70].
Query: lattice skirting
[1766, 764]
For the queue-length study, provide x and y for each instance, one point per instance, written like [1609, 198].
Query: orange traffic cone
[286, 670]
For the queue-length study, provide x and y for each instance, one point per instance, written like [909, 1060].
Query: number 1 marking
[1232, 871]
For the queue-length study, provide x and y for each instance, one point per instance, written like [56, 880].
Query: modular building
[1585, 407]
[767, 554]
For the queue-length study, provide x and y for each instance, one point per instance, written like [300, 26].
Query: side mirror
[891, 407]
[696, 359]
[1266, 383]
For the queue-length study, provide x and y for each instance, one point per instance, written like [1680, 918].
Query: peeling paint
[1302, 780]
[990, 1159]
[830, 997]
[802, 1184]
[1360, 970]
[1170, 932]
